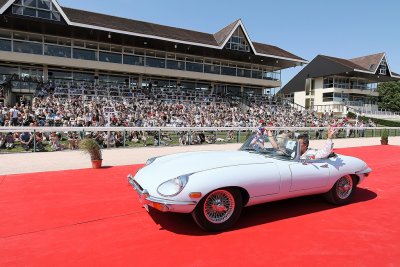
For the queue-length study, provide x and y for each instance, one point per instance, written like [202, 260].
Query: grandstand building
[92, 54]
[336, 84]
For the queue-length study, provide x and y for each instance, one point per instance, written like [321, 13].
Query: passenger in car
[304, 141]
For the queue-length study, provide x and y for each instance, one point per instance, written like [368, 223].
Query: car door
[309, 175]
[260, 179]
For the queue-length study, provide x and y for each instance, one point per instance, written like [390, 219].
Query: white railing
[176, 129]
[372, 131]
[217, 134]
[382, 112]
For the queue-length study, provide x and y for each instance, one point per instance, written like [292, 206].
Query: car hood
[171, 166]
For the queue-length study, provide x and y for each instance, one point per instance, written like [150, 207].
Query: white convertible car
[214, 186]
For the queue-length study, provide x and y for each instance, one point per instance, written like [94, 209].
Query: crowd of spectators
[26, 139]
[48, 109]
[74, 111]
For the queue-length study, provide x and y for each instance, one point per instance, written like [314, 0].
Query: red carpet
[92, 218]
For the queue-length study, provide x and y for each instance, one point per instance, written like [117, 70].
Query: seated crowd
[75, 112]
[150, 110]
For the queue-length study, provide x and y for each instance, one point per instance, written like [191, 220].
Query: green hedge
[377, 121]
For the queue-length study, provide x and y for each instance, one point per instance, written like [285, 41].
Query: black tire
[219, 210]
[342, 191]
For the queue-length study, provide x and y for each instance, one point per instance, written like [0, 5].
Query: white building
[43, 41]
[335, 84]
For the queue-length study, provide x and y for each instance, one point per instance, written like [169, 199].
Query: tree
[389, 96]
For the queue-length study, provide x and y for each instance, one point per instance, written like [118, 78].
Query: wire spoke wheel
[219, 209]
[344, 187]
[343, 190]
[219, 206]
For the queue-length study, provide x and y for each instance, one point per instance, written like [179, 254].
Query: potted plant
[385, 137]
[91, 147]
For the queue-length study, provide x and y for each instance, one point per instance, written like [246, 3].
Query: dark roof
[322, 66]
[135, 26]
[370, 63]
[162, 31]
[221, 36]
[318, 67]
[345, 62]
[273, 50]
[3, 2]
[395, 74]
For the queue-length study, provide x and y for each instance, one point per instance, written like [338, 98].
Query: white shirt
[14, 113]
[320, 153]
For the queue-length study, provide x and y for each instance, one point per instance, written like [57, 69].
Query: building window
[196, 67]
[383, 67]
[110, 57]
[256, 74]
[273, 76]
[112, 79]
[175, 65]
[23, 42]
[343, 83]
[238, 41]
[5, 45]
[43, 9]
[244, 73]
[133, 60]
[327, 97]
[188, 85]
[84, 54]
[228, 71]
[155, 62]
[328, 82]
[57, 51]
[83, 76]
[28, 47]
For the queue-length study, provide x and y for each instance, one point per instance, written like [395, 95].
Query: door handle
[324, 165]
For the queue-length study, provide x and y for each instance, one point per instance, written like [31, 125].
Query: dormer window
[238, 41]
[383, 67]
[43, 9]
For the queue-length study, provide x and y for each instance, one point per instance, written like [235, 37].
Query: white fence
[175, 129]
[217, 134]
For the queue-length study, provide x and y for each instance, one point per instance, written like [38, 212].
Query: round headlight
[173, 187]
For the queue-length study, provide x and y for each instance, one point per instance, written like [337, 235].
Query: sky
[306, 28]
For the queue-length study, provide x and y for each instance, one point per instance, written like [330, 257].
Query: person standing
[14, 112]
[304, 141]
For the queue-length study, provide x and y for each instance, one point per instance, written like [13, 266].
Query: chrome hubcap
[219, 206]
[344, 187]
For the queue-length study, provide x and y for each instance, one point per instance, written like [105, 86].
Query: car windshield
[286, 147]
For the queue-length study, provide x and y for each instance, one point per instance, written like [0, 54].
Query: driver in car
[305, 152]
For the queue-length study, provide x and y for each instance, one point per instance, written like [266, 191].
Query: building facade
[42, 41]
[335, 84]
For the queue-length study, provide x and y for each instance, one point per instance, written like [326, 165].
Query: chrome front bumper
[164, 205]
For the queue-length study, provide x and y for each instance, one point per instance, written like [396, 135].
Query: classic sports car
[214, 186]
